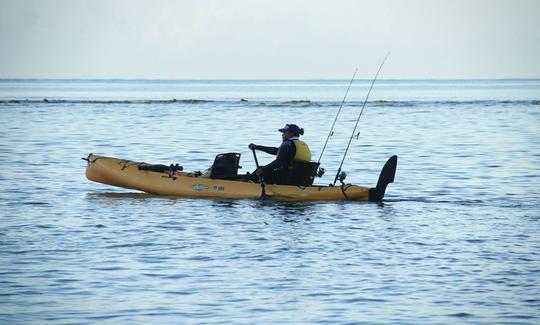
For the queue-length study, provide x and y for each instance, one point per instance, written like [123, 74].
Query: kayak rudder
[386, 177]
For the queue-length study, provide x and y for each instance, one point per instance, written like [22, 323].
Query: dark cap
[292, 128]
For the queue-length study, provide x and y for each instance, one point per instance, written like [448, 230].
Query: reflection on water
[128, 195]
[285, 208]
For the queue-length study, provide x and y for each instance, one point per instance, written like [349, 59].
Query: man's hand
[252, 146]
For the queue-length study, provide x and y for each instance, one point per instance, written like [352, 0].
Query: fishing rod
[335, 119]
[357, 120]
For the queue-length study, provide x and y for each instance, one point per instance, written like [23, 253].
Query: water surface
[455, 241]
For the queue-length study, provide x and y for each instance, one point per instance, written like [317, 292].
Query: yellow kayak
[139, 176]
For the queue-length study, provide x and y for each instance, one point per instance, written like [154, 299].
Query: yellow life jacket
[302, 151]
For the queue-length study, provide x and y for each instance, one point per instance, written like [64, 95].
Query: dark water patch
[177, 276]
[261, 258]
[23, 252]
[435, 201]
[319, 294]
[110, 268]
[45, 226]
[199, 258]
[105, 317]
[301, 102]
[171, 226]
[418, 244]
[35, 203]
[363, 300]
[506, 202]
[130, 245]
[461, 315]
[519, 316]
[67, 280]
[475, 241]
[153, 259]
[125, 195]
[153, 275]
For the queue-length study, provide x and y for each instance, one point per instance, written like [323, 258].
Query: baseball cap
[290, 127]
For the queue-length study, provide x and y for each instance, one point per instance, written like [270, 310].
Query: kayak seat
[226, 166]
[302, 173]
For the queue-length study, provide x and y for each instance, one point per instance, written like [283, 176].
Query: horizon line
[253, 79]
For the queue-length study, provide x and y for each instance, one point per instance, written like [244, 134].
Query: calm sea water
[457, 239]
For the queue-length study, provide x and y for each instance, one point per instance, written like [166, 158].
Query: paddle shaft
[261, 179]
[255, 157]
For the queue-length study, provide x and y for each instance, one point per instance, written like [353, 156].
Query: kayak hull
[126, 174]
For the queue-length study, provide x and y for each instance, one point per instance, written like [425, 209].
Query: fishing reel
[174, 169]
[320, 172]
[341, 177]
[177, 167]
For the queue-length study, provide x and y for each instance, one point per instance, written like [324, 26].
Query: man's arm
[268, 150]
[286, 155]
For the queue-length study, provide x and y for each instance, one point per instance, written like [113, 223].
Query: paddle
[261, 179]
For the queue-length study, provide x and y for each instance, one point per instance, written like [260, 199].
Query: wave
[100, 101]
[437, 103]
[276, 103]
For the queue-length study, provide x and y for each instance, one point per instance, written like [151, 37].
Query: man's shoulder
[287, 143]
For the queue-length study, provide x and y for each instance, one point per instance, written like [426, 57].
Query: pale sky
[276, 39]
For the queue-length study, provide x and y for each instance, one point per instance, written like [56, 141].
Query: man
[292, 149]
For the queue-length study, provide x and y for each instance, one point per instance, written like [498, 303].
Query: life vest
[302, 151]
